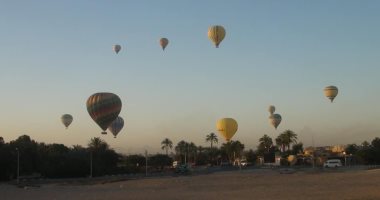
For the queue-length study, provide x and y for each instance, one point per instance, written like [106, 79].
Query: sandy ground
[248, 184]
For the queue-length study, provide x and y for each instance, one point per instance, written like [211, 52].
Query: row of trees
[284, 144]
[229, 151]
[55, 160]
[366, 153]
[58, 160]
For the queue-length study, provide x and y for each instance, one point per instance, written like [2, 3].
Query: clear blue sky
[55, 54]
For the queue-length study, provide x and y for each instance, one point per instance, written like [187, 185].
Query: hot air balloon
[116, 126]
[275, 120]
[104, 108]
[116, 48]
[331, 92]
[216, 34]
[292, 159]
[66, 120]
[227, 127]
[164, 42]
[271, 109]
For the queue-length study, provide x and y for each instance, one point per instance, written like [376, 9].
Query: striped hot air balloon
[275, 120]
[331, 92]
[216, 34]
[164, 42]
[66, 120]
[116, 126]
[104, 108]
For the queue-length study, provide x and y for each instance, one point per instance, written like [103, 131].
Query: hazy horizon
[54, 55]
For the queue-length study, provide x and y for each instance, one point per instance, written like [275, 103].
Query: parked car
[244, 163]
[333, 163]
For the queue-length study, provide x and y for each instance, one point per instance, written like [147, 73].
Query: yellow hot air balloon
[216, 34]
[164, 42]
[227, 127]
[271, 109]
[331, 92]
[292, 159]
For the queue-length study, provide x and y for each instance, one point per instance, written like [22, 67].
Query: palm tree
[97, 144]
[288, 138]
[166, 144]
[266, 142]
[181, 149]
[280, 142]
[192, 151]
[211, 138]
[232, 149]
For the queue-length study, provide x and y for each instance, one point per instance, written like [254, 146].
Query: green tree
[288, 137]
[232, 149]
[97, 144]
[166, 144]
[280, 142]
[251, 156]
[351, 149]
[104, 159]
[134, 163]
[297, 148]
[29, 159]
[181, 150]
[159, 161]
[265, 144]
[212, 138]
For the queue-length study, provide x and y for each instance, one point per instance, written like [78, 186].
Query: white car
[244, 163]
[332, 163]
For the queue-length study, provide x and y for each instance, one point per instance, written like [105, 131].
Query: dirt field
[249, 184]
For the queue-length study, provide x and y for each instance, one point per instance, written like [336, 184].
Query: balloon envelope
[227, 127]
[116, 126]
[116, 48]
[164, 42]
[271, 109]
[292, 159]
[104, 108]
[331, 92]
[66, 120]
[216, 34]
[275, 120]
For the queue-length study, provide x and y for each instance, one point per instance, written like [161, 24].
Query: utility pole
[18, 166]
[90, 164]
[312, 140]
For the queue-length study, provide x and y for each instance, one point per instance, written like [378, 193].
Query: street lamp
[18, 166]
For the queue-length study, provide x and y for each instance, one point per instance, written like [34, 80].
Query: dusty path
[255, 184]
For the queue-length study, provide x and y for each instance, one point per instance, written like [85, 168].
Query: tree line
[59, 161]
